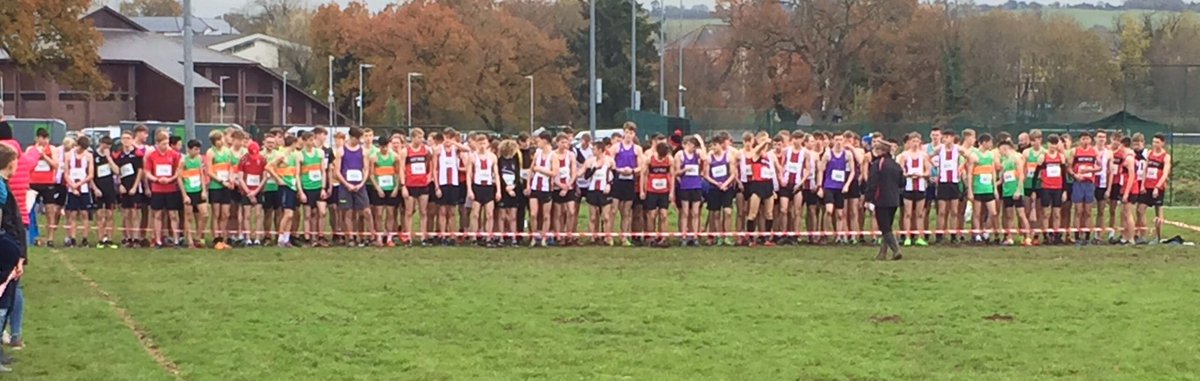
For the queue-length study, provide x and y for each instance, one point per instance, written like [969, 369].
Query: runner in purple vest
[351, 170]
[835, 170]
[625, 154]
[689, 165]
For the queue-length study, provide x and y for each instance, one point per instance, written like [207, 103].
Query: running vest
[287, 170]
[272, 184]
[1155, 165]
[564, 172]
[1101, 177]
[914, 165]
[836, 171]
[100, 162]
[77, 169]
[744, 168]
[43, 173]
[626, 158]
[948, 161]
[983, 175]
[793, 166]
[385, 170]
[311, 171]
[1118, 160]
[353, 165]
[1033, 180]
[416, 167]
[1139, 165]
[1085, 160]
[763, 170]
[510, 170]
[483, 171]
[690, 178]
[659, 178]
[1052, 171]
[599, 179]
[1008, 176]
[222, 166]
[930, 149]
[193, 176]
[581, 156]
[448, 173]
[539, 181]
[718, 168]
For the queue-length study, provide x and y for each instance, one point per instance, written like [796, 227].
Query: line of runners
[788, 188]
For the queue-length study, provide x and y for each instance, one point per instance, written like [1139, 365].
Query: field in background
[945, 313]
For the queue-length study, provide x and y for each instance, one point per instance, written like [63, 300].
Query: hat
[252, 148]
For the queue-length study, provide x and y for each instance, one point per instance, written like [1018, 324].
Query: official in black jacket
[885, 178]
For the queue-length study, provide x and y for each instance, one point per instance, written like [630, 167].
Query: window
[33, 96]
[72, 96]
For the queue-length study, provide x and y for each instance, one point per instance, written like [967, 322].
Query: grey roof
[206, 41]
[161, 53]
[175, 25]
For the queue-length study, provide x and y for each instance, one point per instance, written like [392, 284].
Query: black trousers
[884, 218]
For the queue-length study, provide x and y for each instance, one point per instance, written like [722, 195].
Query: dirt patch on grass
[999, 318]
[893, 319]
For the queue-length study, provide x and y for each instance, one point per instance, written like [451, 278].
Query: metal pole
[681, 88]
[361, 99]
[285, 107]
[633, 101]
[409, 112]
[530, 77]
[220, 98]
[662, 59]
[592, 66]
[189, 70]
[331, 106]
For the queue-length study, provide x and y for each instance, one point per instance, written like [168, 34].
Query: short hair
[83, 141]
[193, 144]
[162, 137]
[106, 141]
[306, 135]
[1101, 131]
[1139, 138]
[320, 131]
[1085, 134]
[1035, 134]
[985, 138]
[141, 128]
[215, 136]
[1053, 139]
[238, 135]
[1160, 137]
[968, 133]
[43, 133]
[1126, 141]
[173, 140]
[356, 132]
[935, 129]
[1003, 135]
[7, 155]
[629, 126]
[290, 140]
[545, 135]
[1006, 142]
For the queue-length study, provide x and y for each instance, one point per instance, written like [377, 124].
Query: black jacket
[884, 181]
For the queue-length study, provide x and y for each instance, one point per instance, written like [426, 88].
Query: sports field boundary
[142, 335]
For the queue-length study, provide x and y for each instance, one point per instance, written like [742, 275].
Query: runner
[837, 167]
[949, 163]
[350, 166]
[1085, 166]
[509, 164]
[270, 195]
[384, 193]
[721, 175]
[538, 190]
[284, 167]
[1158, 171]
[79, 187]
[658, 191]
[1052, 196]
[626, 155]
[415, 176]
[105, 184]
[981, 190]
[793, 179]
[1011, 186]
[218, 163]
[566, 221]
[1033, 182]
[449, 165]
[1129, 189]
[43, 180]
[484, 191]
[916, 182]
[196, 199]
[314, 185]
[598, 170]
[688, 165]
[163, 168]
[762, 187]
[252, 170]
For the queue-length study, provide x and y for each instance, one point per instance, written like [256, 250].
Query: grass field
[804, 313]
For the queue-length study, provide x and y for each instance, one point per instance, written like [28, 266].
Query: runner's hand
[303, 198]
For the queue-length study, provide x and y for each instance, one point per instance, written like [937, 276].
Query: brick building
[147, 75]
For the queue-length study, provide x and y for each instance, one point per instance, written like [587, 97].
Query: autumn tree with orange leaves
[473, 55]
[47, 38]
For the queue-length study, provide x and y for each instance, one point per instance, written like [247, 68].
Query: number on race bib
[314, 175]
[838, 175]
[691, 170]
[1053, 171]
[354, 175]
[766, 173]
[483, 176]
[387, 181]
[719, 171]
[193, 182]
[564, 173]
[42, 166]
[162, 170]
[417, 168]
[127, 170]
[509, 178]
[1010, 176]
[985, 178]
[658, 184]
[103, 170]
[78, 174]
[793, 167]
[1151, 173]
[253, 180]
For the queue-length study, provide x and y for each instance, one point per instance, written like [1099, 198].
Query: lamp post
[633, 98]
[285, 107]
[362, 91]
[662, 59]
[530, 78]
[411, 74]
[331, 106]
[592, 96]
[681, 88]
[221, 97]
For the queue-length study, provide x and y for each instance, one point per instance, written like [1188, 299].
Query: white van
[600, 135]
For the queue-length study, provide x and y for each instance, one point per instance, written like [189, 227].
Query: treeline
[1151, 5]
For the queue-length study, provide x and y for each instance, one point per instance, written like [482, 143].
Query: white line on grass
[142, 335]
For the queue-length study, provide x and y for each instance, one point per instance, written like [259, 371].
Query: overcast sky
[212, 8]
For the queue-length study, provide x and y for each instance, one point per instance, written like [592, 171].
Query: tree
[46, 38]
[612, 57]
[1133, 44]
[151, 8]
[287, 20]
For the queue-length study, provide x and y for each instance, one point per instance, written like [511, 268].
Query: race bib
[719, 171]
[1010, 176]
[1151, 173]
[103, 170]
[314, 175]
[193, 182]
[387, 181]
[222, 175]
[985, 178]
[253, 180]
[162, 170]
[658, 183]
[1053, 171]
[525, 174]
[793, 167]
[42, 166]
[766, 173]
[838, 175]
[78, 174]
[126, 170]
[354, 175]
[483, 176]
[691, 170]
[914, 171]
[564, 173]
[625, 177]
[417, 168]
[509, 178]
[1029, 173]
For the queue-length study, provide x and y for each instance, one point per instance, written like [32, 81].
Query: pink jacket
[19, 183]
